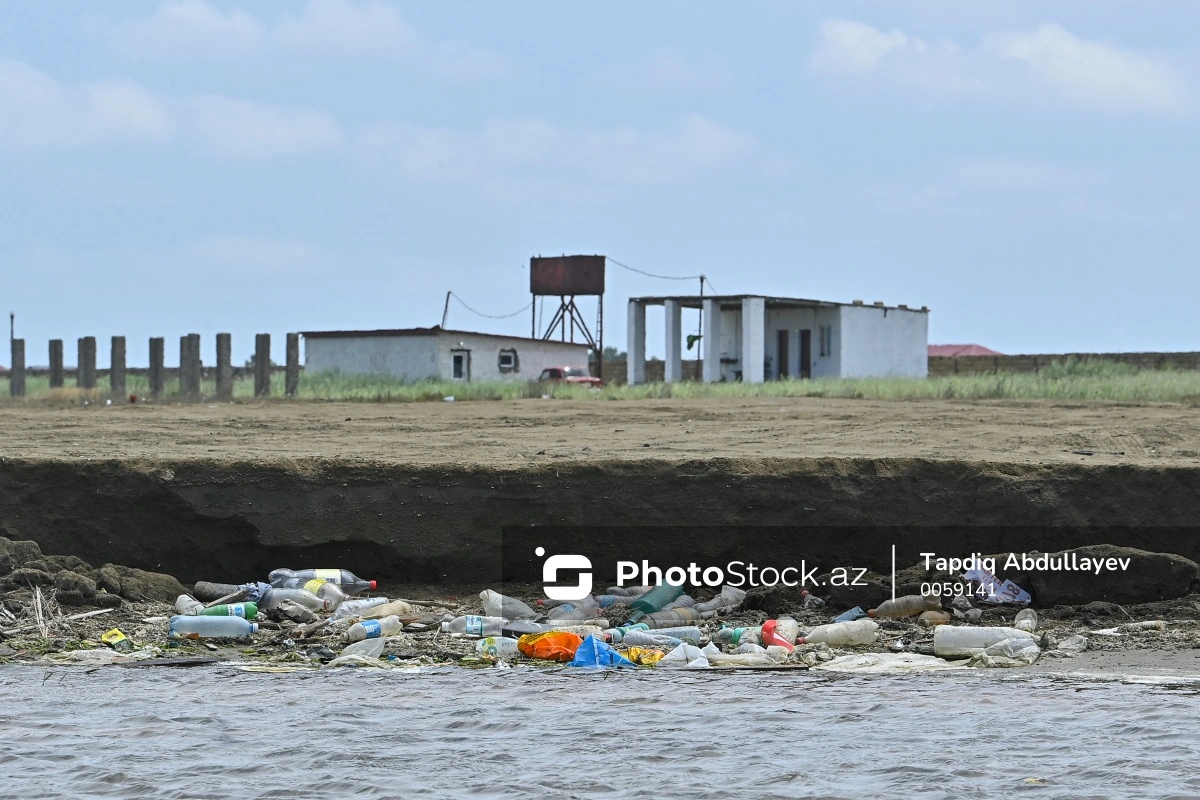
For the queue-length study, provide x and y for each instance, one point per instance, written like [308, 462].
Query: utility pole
[12, 326]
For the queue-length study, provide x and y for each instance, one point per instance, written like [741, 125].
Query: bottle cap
[871, 613]
[372, 585]
[254, 627]
[804, 593]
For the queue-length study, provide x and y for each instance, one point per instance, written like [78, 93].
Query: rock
[23, 577]
[41, 565]
[291, 612]
[72, 589]
[877, 588]
[108, 579]
[1149, 578]
[1101, 609]
[15, 554]
[106, 600]
[764, 598]
[138, 584]
[73, 563]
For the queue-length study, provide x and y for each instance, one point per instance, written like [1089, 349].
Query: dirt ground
[514, 433]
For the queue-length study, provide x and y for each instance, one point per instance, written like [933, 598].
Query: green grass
[1068, 380]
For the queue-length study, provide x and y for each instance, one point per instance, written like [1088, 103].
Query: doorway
[783, 360]
[806, 353]
[460, 365]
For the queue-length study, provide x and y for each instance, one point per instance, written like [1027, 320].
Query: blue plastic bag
[595, 654]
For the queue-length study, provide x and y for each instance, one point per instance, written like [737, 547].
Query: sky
[1027, 170]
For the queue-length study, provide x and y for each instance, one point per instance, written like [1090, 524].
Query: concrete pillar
[116, 366]
[85, 368]
[158, 371]
[185, 367]
[194, 373]
[56, 364]
[224, 366]
[711, 342]
[754, 332]
[291, 381]
[16, 375]
[635, 363]
[673, 367]
[262, 365]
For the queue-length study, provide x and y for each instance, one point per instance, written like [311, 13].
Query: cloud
[1093, 74]
[520, 148]
[665, 70]
[1086, 74]
[38, 112]
[190, 30]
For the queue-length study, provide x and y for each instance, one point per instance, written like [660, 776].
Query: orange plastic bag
[552, 646]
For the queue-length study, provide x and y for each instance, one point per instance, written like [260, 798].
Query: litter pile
[331, 617]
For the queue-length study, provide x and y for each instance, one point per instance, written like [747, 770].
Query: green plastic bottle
[654, 600]
[243, 610]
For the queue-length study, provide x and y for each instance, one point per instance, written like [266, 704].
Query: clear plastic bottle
[356, 608]
[931, 619]
[910, 605]
[183, 626]
[374, 629]
[331, 593]
[810, 600]
[576, 609]
[273, 597]
[497, 647]
[188, 606]
[1027, 620]
[350, 583]
[498, 605]
[609, 600]
[842, 634]
[683, 601]
[243, 610]
[734, 637]
[781, 632]
[474, 625]
[730, 597]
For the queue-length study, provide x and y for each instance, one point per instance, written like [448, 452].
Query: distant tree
[613, 354]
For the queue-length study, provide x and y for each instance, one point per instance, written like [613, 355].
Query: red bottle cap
[372, 586]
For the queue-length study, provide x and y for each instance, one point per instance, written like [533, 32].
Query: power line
[652, 275]
[520, 310]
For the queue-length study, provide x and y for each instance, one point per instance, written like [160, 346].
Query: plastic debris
[593, 653]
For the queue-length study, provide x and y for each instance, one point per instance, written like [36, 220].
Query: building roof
[434, 331]
[730, 302]
[951, 350]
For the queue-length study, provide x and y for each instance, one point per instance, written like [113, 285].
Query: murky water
[521, 733]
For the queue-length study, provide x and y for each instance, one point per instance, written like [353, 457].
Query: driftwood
[83, 615]
[236, 597]
[438, 603]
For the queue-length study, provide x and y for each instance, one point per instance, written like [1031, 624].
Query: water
[521, 733]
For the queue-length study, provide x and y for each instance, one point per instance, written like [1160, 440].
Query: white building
[420, 353]
[754, 339]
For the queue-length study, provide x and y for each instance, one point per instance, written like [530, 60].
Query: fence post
[116, 366]
[85, 369]
[262, 365]
[193, 366]
[292, 378]
[56, 364]
[224, 366]
[16, 377]
[157, 373]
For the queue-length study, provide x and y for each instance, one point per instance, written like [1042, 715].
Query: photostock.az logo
[572, 561]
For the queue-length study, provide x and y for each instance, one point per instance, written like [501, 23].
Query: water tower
[568, 277]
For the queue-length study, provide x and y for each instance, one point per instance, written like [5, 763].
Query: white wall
[419, 357]
[794, 320]
[882, 342]
[533, 356]
[408, 357]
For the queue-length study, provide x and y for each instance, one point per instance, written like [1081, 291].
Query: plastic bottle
[576, 609]
[956, 641]
[609, 600]
[519, 627]
[243, 610]
[688, 633]
[673, 618]
[617, 635]
[748, 647]
[397, 608]
[1026, 620]
[274, 597]
[734, 637]
[559, 624]
[474, 625]
[374, 629]
[497, 605]
[931, 619]
[183, 626]
[910, 605]
[497, 647]
[851, 615]
[350, 583]
[582, 630]
[730, 597]
[810, 600]
[331, 593]
[843, 634]
[781, 632]
[654, 600]
[683, 601]
[188, 606]
[628, 591]
[356, 608]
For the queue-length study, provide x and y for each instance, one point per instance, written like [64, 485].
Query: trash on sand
[473, 625]
[1027, 620]
[374, 628]
[685, 656]
[366, 648]
[347, 580]
[953, 641]
[654, 600]
[593, 653]
[851, 615]
[497, 605]
[889, 662]
[198, 627]
[359, 608]
[498, 647]
[243, 610]
[909, 605]
[1148, 625]
[991, 589]
[730, 598]
[552, 646]
[644, 656]
[117, 640]
[780, 632]
[843, 634]
[931, 619]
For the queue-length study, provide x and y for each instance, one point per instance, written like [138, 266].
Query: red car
[578, 375]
